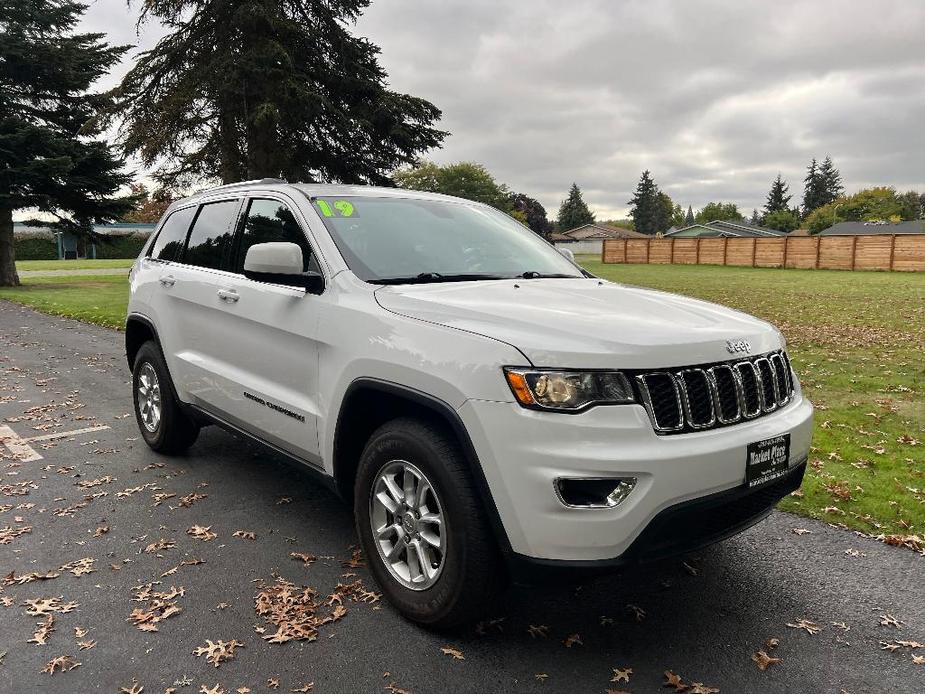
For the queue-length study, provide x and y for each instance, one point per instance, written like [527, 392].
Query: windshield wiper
[534, 275]
[434, 277]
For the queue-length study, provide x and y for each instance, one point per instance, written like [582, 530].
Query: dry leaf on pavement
[764, 661]
[218, 652]
[456, 653]
[63, 663]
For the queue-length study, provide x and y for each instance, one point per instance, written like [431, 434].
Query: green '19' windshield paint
[336, 208]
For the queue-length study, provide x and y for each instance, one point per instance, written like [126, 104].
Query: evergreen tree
[648, 208]
[812, 188]
[689, 218]
[51, 157]
[778, 197]
[830, 186]
[265, 88]
[755, 219]
[573, 212]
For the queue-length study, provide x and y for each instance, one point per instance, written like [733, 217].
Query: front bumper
[523, 451]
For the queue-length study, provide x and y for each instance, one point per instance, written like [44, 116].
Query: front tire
[422, 526]
[163, 424]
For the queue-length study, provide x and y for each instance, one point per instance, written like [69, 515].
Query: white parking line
[25, 453]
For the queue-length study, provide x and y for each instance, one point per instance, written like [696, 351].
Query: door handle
[228, 295]
[168, 280]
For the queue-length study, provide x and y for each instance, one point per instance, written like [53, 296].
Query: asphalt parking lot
[77, 475]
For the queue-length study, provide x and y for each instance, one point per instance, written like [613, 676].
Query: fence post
[892, 249]
[818, 240]
[671, 253]
[786, 243]
[603, 251]
[625, 247]
[648, 243]
[697, 262]
[854, 251]
[754, 250]
[725, 246]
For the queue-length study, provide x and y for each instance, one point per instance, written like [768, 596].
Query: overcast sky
[715, 98]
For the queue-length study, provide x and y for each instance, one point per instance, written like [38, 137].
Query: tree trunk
[8, 274]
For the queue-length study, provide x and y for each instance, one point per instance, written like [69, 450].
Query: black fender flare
[449, 415]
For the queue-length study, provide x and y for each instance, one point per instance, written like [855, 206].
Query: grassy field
[73, 264]
[857, 340]
[100, 299]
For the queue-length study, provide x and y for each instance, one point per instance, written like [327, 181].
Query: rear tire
[445, 568]
[163, 424]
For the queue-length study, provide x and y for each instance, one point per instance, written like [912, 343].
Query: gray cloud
[713, 97]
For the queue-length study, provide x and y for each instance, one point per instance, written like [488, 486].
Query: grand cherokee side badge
[738, 346]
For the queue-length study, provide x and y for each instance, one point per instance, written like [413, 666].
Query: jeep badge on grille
[737, 346]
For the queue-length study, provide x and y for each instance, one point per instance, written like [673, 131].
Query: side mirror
[566, 252]
[280, 262]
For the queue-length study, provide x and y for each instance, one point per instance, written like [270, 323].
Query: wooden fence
[903, 252]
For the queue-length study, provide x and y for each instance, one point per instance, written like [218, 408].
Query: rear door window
[210, 238]
[271, 220]
[169, 242]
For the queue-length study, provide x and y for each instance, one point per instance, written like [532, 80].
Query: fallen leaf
[245, 534]
[62, 663]
[218, 652]
[573, 639]
[673, 680]
[888, 620]
[304, 688]
[457, 654]
[621, 675]
[540, 630]
[135, 688]
[45, 627]
[203, 533]
[809, 627]
[273, 682]
[764, 661]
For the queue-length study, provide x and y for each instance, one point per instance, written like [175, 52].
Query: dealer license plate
[767, 460]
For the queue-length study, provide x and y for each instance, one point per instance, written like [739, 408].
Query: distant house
[863, 228]
[589, 238]
[69, 246]
[722, 228]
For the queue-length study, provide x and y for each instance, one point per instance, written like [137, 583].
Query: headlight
[568, 391]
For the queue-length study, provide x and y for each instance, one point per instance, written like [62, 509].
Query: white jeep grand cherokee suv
[490, 409]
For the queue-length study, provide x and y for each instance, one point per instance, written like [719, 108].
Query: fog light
[594, 492]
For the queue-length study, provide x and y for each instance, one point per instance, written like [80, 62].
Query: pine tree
[647, 208]
[50, 156]
[689, 218]
[264, 88]
[755, 219]
[812, 188]
[573, 212]
[778, 197]
[831, 186]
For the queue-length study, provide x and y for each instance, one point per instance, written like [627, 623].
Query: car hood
[585, 323]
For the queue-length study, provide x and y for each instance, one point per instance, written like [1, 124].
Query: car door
[267, 338]
[189, 305]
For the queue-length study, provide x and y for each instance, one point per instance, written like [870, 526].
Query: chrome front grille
[711, 396]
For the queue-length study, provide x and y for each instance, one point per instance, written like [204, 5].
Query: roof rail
[247, 183]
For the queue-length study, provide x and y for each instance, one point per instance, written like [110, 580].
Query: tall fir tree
[689, 218]
[260, 88]
[51, 156]
[755, 219]
[831, 185]
[812, 188]
[778, 197]
[573, 212]
[648, 208]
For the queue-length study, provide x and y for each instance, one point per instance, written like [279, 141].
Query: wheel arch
[138, 330]
[369, 403]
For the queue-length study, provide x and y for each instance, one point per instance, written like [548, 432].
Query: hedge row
[39, 248]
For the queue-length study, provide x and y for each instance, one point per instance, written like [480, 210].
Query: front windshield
[398, 239]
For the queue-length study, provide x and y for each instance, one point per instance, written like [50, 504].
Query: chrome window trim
[647, 399]
[737, 387]
[682, 386]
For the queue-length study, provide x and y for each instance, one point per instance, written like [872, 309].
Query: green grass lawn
[857, 340]
[100, 299]
[74, 264]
